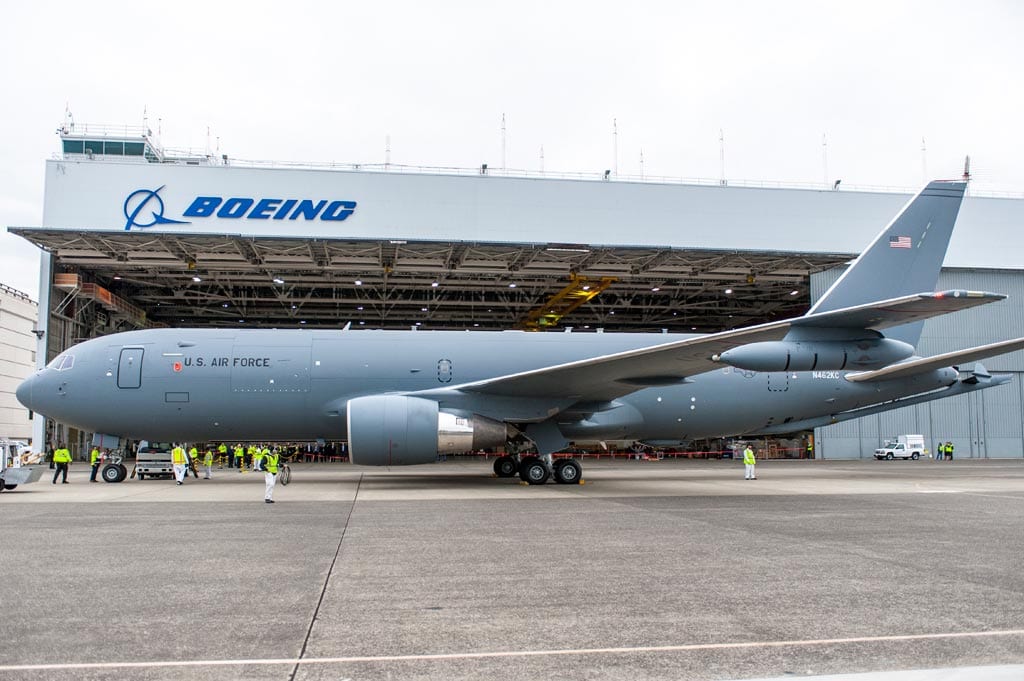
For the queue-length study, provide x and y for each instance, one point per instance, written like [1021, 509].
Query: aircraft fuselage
[293, 385]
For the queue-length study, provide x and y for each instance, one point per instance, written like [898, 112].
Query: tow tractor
[12, 472]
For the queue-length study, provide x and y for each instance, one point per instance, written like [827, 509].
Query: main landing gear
[536, 470]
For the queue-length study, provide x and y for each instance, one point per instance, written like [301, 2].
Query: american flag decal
[899, 242]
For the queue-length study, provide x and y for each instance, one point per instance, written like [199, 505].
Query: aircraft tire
[9, 487]
[568, 472]
[113, 473]
[505, 467]
[522, 467]
[889, 457]
[533, 471]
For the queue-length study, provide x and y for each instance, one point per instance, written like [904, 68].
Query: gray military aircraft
[402, 397]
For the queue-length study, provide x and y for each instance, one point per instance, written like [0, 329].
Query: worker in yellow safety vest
[222, 453]
[61, 459]
[270, 475]
[255, 454]
[208, 462]
[94, 461]
[749, 463]
[179, 462]
[239, 458]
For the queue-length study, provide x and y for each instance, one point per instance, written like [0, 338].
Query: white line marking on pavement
[512, 653]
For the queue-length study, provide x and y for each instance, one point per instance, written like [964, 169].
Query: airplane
[404, 397]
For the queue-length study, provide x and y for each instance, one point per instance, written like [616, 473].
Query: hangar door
[129, 368]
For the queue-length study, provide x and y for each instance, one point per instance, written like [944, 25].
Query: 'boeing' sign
[142, 201]
[269, 209]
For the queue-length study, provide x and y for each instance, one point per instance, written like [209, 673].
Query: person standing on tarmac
[258, 454]
[239, 457]
[208, 462]
[94, 461]
[750, 464]
[222, 452]
[61, 460]
[270, 475]
[180, 463]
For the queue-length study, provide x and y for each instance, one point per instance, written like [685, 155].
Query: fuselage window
[61, 362]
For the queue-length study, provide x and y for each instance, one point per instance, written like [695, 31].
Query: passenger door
[129, 368]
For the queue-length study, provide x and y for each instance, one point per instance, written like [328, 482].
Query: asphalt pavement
[649, 570]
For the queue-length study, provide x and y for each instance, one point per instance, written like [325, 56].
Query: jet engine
[398, 430]
[783, 355]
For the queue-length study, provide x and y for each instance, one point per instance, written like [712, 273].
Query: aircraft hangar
[136, 236]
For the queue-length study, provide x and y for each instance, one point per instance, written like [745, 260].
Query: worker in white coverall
[180, 463]
[270, 460]
[750, 463]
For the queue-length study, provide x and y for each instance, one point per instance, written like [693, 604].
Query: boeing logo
[138, 200]
[269, 209]
[143, 201]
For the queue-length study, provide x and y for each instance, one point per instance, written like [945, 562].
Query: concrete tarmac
[650, 570]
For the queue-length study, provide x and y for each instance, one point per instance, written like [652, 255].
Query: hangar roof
[218, 280]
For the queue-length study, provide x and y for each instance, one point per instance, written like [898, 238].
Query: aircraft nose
[25, 390]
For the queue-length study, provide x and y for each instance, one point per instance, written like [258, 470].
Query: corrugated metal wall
[988, 423]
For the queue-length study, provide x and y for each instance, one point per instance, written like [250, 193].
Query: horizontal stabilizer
[926, 364]
[897, 311]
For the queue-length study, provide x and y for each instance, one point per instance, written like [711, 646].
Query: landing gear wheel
[505, 467]
[9, 487]
[889, 456]
[915, 456]
[113, 473]
[534, 471]
[568, 472]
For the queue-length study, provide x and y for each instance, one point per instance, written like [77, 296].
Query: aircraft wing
[610, 376]
[924, 364]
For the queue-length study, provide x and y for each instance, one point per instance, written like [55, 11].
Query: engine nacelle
[872, 353]
[397, 430]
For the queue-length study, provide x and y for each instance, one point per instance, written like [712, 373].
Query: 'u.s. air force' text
[226, 361]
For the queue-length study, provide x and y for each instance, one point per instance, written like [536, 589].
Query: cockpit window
[61, 362]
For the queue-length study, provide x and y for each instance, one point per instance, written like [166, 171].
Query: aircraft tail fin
[905, 258]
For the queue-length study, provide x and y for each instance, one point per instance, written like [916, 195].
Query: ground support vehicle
[12, 473]
[153, 460]
[903, 447]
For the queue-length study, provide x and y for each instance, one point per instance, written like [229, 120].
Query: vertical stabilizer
[905, 258]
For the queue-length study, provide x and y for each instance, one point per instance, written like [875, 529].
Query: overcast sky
[330, 81]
